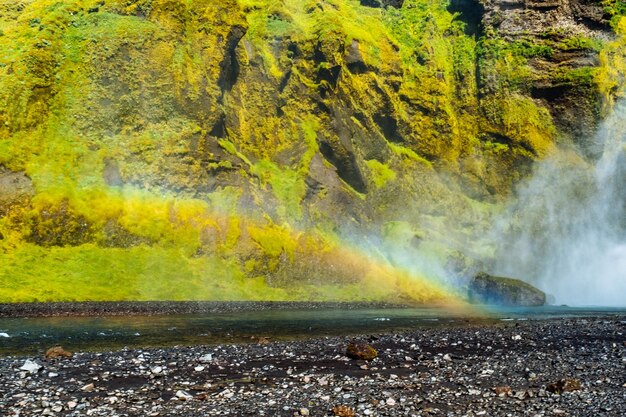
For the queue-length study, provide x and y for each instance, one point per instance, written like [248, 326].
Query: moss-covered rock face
[159, 141]
[559, 42]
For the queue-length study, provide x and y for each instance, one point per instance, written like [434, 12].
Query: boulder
[488, 289]
[57, 352]
[361, 351]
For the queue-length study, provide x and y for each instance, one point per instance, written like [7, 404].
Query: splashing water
[566, 232]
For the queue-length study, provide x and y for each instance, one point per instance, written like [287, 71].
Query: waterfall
[566, 231]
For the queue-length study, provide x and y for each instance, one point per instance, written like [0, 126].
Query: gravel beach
[564, 367]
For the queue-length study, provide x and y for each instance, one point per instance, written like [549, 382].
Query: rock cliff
[261, 149]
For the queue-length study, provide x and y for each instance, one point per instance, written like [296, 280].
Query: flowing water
[34, 335]
[566, 233]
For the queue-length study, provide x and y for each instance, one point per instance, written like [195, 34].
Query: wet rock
[57, 352]
[488, 289]
[361, 351]
[564, 385]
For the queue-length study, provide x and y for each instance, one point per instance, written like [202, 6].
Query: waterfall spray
[566, 232]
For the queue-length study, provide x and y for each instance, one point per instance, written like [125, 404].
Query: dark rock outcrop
[382, 3]
[488, 289]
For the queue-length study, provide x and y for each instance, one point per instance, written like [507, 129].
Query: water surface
[34, 335]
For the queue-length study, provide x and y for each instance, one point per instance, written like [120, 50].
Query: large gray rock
[488, 289]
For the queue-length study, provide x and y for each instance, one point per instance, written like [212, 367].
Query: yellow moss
[529, 124]
[273, 240]
[611, 76]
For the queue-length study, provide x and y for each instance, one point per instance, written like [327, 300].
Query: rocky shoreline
[151, 308]
[567, 367]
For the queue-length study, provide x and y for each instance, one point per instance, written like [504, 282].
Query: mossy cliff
[278, 149]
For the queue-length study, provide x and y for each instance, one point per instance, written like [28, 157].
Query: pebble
[206, 358]
[88, 387]
[183, 395]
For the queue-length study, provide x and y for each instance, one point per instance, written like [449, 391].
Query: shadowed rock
[565, 385]
[488, 289]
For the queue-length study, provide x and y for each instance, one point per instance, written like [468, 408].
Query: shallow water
[33, 335]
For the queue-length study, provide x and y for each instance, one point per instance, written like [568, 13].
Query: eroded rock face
[16, 188]
[560, 37]
[513, 18]
[492, 290]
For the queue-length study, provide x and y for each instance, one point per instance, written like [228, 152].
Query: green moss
[129, 121]
[381, 173]
[141, 273]
[287, 185]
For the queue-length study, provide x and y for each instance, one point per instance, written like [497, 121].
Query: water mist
[566, 231]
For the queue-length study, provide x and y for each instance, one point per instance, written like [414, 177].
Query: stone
[489, 289]
[564, 385]
[502, 391]
[88, 388]
[361, 351]
[206, 358]
[343, 411]
[57, 352]
[183, 395]
[30, 366]
[304, 412]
